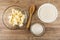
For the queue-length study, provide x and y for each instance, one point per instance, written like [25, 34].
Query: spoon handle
[29, 22]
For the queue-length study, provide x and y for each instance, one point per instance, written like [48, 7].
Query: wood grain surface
[52, 30]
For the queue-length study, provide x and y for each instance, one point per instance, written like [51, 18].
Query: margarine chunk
[16, 18]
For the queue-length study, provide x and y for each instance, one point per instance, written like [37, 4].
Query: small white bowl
[37, 29]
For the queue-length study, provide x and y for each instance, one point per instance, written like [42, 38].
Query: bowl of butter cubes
[14, 17]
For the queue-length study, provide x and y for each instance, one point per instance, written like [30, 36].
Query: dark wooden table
[52, 30]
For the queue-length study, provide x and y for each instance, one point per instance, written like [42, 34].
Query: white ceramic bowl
[37, 29]
[47, 13]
